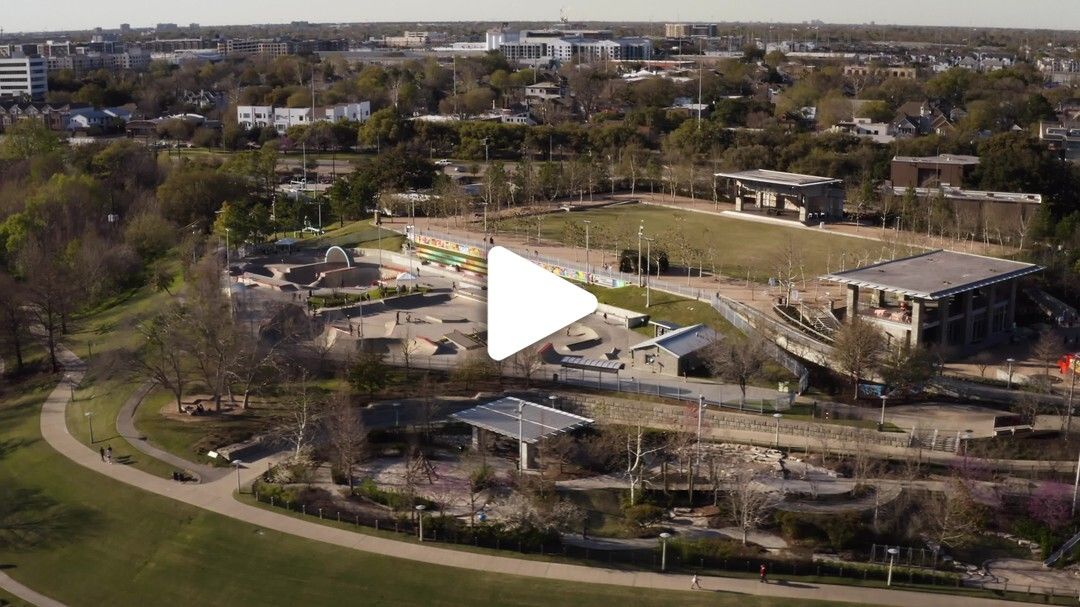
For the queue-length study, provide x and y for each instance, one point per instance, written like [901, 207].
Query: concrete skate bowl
[416, 300]
[581, 338]
[423, 346]
[333, 275]
[259, 269]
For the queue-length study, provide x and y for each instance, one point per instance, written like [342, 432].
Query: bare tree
[527, 362]
[162, 360]
[858, 349]
[638, 452]
[749, 502]
[1047, 350]
[298, 424]
[737, 360]
[14, 320]
[347, 434]
[954, 516]
[213, 335]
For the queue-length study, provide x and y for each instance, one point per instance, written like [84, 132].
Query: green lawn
[100, 542]
[663, 306]
[732, 246]
[10, 600]
[357, 234]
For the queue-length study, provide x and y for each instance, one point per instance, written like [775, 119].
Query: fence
[682, 557]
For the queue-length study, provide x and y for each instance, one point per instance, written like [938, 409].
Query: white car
[313, 230]
[443, 163]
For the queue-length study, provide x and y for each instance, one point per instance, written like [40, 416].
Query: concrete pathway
[125, 427]
[26, 594]
[217, 496]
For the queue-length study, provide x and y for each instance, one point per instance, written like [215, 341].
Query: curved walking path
[217, 496]
[125, 427]
[26, 594]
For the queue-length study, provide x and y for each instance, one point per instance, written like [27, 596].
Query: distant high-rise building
[125, 28]
[690, 30]
[166, 27]
[23, 76]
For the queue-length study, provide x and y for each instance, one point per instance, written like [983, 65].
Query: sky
[73, 14]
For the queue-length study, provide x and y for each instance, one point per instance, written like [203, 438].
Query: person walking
[102, 450]
[694, 583]
[108, 454]
[762, 570]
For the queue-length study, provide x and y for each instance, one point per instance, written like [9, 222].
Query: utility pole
[648, 259]
[640, 234]
[587, 270]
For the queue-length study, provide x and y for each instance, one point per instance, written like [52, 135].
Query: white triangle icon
[526, 303]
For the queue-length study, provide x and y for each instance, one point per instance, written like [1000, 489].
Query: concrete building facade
[23, 76]
[955, 301]
[776, 193]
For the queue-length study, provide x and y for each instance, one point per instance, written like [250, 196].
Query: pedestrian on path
[694, 583]
[108, 454]
[763, 580]
[102, 450]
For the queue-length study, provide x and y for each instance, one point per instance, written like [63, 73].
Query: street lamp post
[663, 550]
[1010, 361]
[228, 258]
[777, 417]
[700, 412]
[881, 422]
[237, 463]
[521, 456]
[90, 420]
[397, 415]
[420, 515]
[640, 235]
[892, 556]
[587, 270]
[648, 257]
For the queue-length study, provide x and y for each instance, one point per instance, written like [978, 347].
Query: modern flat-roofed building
[282, 118]
[690, 30]
[954, 300]
[932, 171]
[777, 193]
[23, 76]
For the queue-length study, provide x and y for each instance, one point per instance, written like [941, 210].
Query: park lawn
[10, 600]
[357, 234]
[108, 543]
[733, 247]
[664, 306]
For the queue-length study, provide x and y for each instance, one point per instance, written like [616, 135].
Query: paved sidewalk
[217, 497]
[26, 594]
[125, 427]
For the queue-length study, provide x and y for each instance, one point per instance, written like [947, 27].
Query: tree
[347, 434]
[48, 288]
[162, 360]
[14, 320]
[638, 451]
[211, 331]
[954, 517]
[28, 139]
[737, 360]
[527, 362]
[481, 479]
[369, 373]
[297, 426]
[907, 369]
[858, 347]
[1050, 504]
[749, 503]
[1047, 350]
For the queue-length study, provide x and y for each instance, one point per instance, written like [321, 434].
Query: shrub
[643, 515]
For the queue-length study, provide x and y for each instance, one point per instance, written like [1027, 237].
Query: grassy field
[664, 306]
[731, 246]
[357, 234]
[101, 542]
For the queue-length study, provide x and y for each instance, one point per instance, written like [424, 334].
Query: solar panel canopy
[537, 421]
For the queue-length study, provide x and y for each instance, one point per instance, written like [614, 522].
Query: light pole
[1010, 361]
[663, 550]
[881, 422]
[420, 515]
[966, 438]
[892, 556]
[397, 416]
[228, 259]
[640, 235]
[700, 412]
[648, 257]
[521, 456]
[551, 399]
[777, 417]
[237, 463]
[90, 420]
[485, 219]
[587, 271]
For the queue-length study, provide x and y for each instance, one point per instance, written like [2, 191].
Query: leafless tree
[737, 360]
[638, 452]
[749, 502]
[527, 362]
[954, 516]
[163, 359]
[213, 335]
[1047, 349]
[858, 349]
[298, 424]
[14, 319]
[347, 434]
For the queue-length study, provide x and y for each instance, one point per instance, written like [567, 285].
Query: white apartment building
[546, 46]
[22, 76]
[283, 118]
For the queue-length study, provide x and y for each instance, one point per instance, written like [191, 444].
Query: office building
[23, 76]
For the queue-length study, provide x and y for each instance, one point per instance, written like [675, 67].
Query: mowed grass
[732, 246]
[664, 306]
[105, 543]
[361, 233]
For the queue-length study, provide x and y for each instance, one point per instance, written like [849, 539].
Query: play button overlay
[526, 303]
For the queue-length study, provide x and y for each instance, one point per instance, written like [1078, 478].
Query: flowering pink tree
[1051, 504]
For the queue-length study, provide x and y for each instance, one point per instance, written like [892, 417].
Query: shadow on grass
[31, 520]
[7, 447]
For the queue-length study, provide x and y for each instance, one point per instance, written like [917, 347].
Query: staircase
[1065, 549]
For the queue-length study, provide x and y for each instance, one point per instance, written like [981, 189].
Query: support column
[918, 309]
[802, 213]
[969, 318]
[944, 305]
[852, 303]
[738, 203]
[475, 438]
[528, 456]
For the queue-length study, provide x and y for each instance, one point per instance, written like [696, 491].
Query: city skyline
[60, 15]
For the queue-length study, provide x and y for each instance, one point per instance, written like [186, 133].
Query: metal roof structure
[957, 159]
[536, 421]
[681, 342]
[780, 178]
[934, 275]
[954, 193]
[592, 364]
